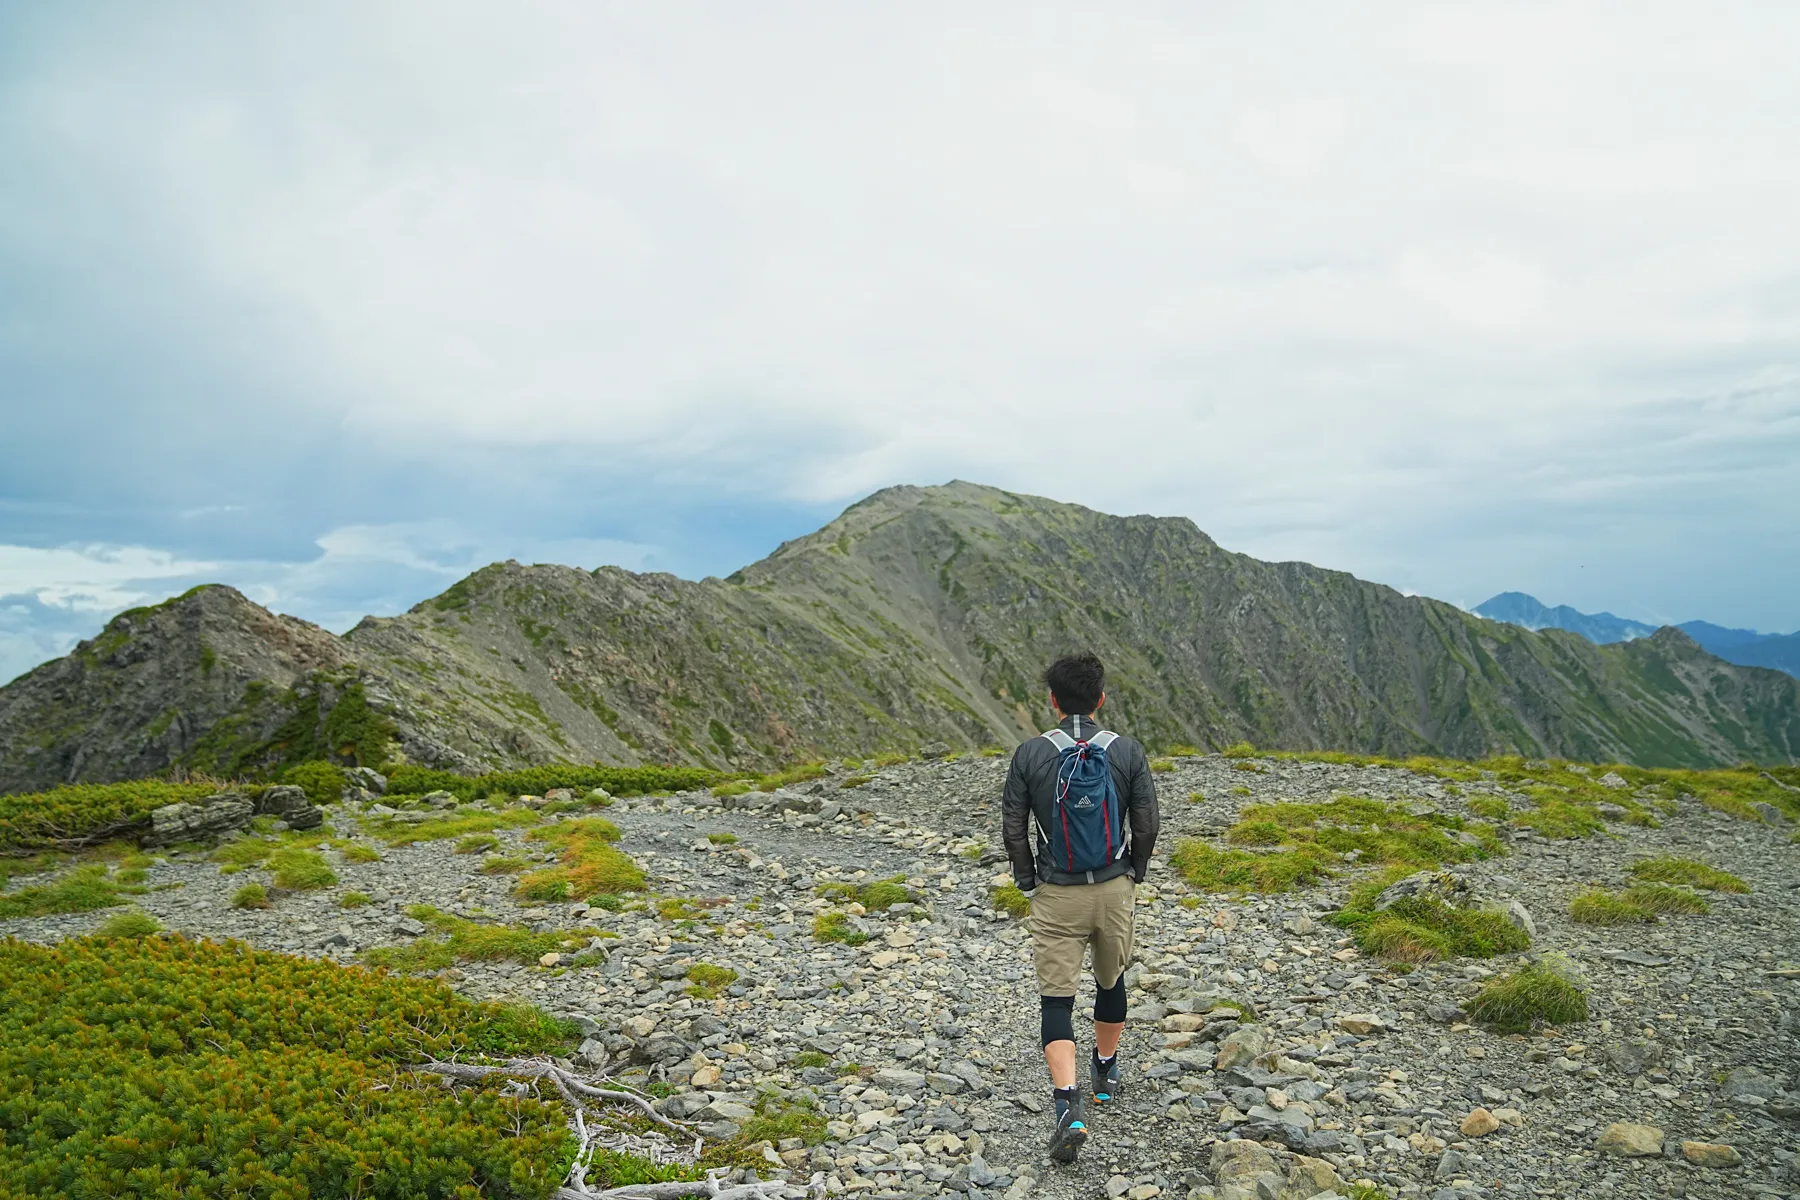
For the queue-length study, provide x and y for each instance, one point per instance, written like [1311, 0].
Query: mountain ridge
[1745, 647]
[919, 614]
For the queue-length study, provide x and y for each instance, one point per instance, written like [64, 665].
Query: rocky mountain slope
[158, 686]
[918, 1047]
[920, 614]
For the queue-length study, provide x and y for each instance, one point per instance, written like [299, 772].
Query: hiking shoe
[1107, 1084]
[1071, 1131]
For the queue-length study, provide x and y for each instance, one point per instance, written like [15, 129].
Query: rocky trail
[1342, 1073]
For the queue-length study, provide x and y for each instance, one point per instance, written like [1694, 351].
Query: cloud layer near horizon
[336, 302]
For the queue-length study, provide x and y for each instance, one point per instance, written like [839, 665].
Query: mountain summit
[919, 614]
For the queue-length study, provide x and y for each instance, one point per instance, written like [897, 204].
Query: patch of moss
[1011, 901]
[709, 980]
[833, 925]
[875, 896]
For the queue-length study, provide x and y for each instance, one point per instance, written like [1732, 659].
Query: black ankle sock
[1105, 1060]
[1064, 1094]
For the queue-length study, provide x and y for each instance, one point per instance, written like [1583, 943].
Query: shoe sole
[1067, 1143]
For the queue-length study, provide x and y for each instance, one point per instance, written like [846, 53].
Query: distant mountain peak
[1518, 608]
[1745, 647]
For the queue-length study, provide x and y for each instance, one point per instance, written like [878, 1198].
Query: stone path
[1350, 1071]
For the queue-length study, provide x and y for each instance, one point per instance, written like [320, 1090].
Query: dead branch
[710, 1187]
[566, 1083]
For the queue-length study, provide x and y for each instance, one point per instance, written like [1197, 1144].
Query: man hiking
[1091, 794]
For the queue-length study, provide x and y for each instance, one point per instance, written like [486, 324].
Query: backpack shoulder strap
[1103, 739]
[1059, 739]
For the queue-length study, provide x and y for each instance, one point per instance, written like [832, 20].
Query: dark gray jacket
[1031, 792]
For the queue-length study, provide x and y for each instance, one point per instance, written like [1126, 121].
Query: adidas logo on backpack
[1087, 831]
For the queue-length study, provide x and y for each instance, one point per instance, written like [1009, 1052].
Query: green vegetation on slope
[535, 781]
[89, 811]
[134, 1065]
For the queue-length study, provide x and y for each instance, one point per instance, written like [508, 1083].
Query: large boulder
[224, 813]
[1446, 887]
[367, 778]
[1239, 1167]
[289, 803]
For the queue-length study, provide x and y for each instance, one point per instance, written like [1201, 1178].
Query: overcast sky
[336, 302]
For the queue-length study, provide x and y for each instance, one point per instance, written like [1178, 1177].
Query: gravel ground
[1350, 1071]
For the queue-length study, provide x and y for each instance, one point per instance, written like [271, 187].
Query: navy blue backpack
[1087, 831]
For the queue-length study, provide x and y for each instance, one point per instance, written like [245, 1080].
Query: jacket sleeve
[1015, 808]
[1146, 816]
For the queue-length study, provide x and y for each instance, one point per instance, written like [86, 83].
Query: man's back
[1031, 791]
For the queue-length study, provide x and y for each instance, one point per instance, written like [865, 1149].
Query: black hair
[1077, 681]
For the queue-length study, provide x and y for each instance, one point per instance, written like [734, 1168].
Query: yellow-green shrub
[589, 867]
[159, 1066]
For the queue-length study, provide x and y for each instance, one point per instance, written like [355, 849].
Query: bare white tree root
[569, 1084]
[710, 1187]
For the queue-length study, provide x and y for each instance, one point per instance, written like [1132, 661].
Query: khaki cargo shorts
[1065, 920]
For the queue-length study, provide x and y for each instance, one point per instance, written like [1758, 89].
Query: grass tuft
[301, 870]
[251, 895]
[1214, 870]
[1597, 906]
[1545, 992]
[589, 866]
[354, 900]
[1662, 898]
[1688, 871]
[132, 923]
[82, 890]
[456, 826]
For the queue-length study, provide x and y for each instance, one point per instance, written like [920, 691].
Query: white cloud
[1440, 294]
[359, 569]
[91, 578]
